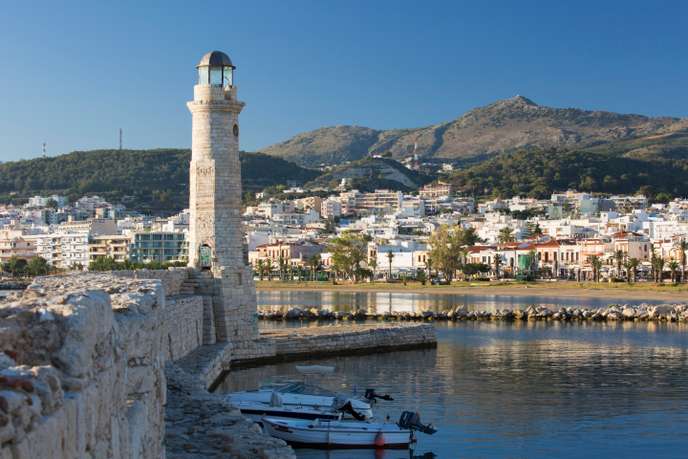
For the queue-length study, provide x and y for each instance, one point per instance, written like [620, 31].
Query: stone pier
[115, 365]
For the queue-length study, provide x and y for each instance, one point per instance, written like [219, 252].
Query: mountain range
[504, 126]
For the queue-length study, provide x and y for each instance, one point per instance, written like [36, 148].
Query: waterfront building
[294, 253]
[63, 249]
[13, 243]
[158, 246]
[115, 246]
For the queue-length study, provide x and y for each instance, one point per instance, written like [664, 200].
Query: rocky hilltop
[503, 126]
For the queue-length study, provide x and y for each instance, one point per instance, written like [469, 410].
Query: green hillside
[539, 173]
[155, 181]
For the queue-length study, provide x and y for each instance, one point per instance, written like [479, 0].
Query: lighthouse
[216, 239]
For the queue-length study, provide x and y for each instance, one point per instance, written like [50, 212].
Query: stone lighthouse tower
[215, 229]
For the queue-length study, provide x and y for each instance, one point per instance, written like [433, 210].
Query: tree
[268, 268]
[619, 257]
[497, 264]
[38, 266]
[631, 266]
[506, 234]
[102, 264]
[390, 257]
[348, 252]
[314, 263]
[673, 267]
[421, 276]
[282, 266]
[260, 267]
[596, 263]
[16, 266]
[534, 230]
[533, 266]
[444, 250]
[657, 262]
[372, 263]
[682, 247]
[466, 236]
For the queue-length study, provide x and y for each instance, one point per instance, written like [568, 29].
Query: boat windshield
[307, 389]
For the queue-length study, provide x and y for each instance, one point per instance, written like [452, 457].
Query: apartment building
[115, 246]
[158, 246]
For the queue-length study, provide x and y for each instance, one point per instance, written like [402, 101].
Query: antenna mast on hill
[120, 139]
[44, 148]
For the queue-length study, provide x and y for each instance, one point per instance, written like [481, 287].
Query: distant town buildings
[560, 235]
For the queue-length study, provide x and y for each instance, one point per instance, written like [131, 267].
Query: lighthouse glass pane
[227, 76]
[203, 75]
[216, 76]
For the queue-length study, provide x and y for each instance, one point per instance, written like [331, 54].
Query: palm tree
[428, 264]
[619, 258]
[373, 266]
[268, 268]
[682, 247]
[314, 264]
[657, 263]
[390, 257]
[497, 264]
[282, 266]
[596, 263]
[631, 266]
[506, 234]
[260, 267]
[673, 267]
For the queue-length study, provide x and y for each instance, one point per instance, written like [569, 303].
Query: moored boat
[299, 400]
[338, 434]
[346, 433]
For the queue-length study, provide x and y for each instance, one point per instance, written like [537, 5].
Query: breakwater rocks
[614, 312]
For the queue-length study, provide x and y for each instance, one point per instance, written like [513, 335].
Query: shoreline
[563, 289]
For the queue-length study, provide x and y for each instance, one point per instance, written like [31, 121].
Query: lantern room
[216, 69]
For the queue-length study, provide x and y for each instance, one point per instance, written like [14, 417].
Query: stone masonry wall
[83, 362]
[182, 326]
[171, 278]
[82, 369]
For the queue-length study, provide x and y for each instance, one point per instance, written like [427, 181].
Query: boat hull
[337, 434]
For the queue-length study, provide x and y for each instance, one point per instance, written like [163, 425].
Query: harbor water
[524, 389]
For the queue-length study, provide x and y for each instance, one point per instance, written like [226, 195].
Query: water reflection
[529, 389]
[382, 302]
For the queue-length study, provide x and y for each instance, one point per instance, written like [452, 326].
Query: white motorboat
[298, 400]
[345, 433]
[338, 434]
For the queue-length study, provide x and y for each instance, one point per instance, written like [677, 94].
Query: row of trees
[19, 267]
[628, 267]
[267, 269]
[109, 264]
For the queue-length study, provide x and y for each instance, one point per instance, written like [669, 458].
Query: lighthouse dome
[215, 59]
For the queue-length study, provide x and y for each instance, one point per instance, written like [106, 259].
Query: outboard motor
[411, 420]
[371, 395]
[344, 405]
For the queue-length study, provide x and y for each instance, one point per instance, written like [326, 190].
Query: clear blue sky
[73, 74]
